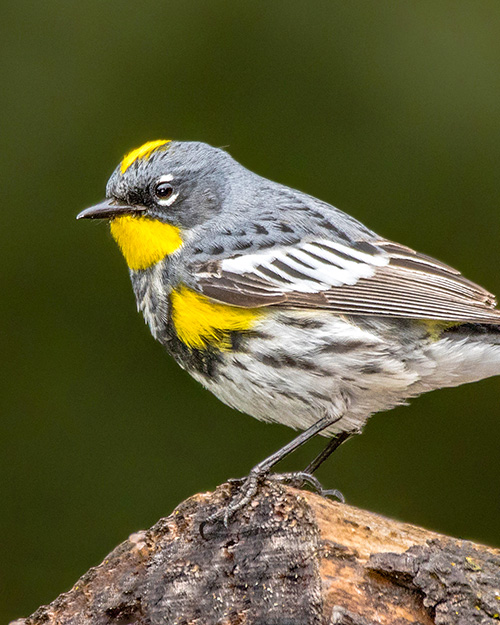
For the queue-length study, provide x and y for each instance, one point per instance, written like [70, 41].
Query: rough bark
[289, 558]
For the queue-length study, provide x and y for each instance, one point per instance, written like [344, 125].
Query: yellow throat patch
[144, 151]
[201, 322]
[144, 242]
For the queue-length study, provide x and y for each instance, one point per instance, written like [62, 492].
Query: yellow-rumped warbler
[283, 306]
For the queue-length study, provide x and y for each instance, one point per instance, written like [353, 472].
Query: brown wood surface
[289, 558]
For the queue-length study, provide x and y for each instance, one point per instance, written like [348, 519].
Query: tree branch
[289, 558]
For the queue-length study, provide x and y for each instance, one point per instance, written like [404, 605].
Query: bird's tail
[465, 353]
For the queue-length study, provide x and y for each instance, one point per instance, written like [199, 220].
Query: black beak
[109, 209]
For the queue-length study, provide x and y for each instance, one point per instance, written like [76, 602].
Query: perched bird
[283, 306]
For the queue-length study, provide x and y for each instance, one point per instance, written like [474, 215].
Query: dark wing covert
[380, 278]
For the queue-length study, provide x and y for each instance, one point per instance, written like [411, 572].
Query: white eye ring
[165, 178]
[169, 199]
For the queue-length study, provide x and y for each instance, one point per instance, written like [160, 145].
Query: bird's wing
[379, 278]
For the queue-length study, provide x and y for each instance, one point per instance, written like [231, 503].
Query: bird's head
[158, 193]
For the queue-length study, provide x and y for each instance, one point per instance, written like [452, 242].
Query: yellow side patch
[435, 327]
[200, 322]
[144, 241]
[143, 152]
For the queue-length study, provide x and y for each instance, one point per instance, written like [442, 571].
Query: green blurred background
[389, 110]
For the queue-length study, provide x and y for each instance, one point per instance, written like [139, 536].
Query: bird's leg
[260, 471]
[332, 445]
[306, 476]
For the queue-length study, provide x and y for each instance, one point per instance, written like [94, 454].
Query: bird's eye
[163, 190]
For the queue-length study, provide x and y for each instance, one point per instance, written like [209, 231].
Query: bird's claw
[300, 478]
[247, 488]
[333, 492]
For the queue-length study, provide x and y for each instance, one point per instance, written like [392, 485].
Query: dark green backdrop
[390, 110]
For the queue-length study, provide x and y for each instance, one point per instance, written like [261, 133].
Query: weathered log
[289, 558]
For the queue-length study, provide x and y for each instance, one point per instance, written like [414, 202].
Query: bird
[283, 306]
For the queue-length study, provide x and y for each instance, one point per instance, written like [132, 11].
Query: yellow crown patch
[144, 151]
